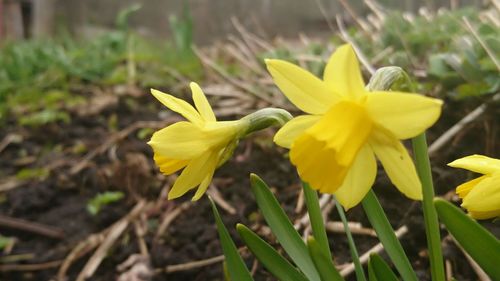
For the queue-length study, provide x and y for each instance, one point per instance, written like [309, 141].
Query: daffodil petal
[201, 103]
[485, 196]
[302, 88]
[184, 140]
[179, 106]
[169, 166]
[324, 153]
[485, 215]
[464, 189]
[477, 163]
[202, 188]
[342, 73]
[293, 128]
[345, 128]
[404, 115]
[398, 165]
[359, 179]
[194, 173]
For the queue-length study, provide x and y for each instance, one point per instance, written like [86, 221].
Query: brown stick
[114, 139]
[193, 264]
[30, 267]
[32, 227]
[115, 232]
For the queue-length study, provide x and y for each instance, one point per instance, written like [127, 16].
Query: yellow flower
[335, 144]
[481, 196]
[199, 146]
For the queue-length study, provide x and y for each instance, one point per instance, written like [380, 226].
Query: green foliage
[452, 57]
[282, 228]
[385, 234]
[32, 173]
[316, 219]
[234, 265]
[478, 242]
[32, 70]
[379, 270]
[269, 257]
[103, 199]
[322, 261]
[4, 241]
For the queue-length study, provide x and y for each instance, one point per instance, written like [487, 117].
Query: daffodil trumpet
[335, 145]
[201, 144]
[480, 196]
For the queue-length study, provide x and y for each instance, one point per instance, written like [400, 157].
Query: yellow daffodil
[335, 144]
[198, 145]
[481, 196]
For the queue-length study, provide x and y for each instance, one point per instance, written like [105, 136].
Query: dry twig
[170, 217]
[114, 233]
[32, 227]
[375, 249]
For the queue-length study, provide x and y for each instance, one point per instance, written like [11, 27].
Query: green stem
[266, 117]
[316, 218]
[430, 217]
[380, 82]
[385, 234]
[360, 274]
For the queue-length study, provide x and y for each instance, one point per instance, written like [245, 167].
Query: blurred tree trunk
[12, 20]
[43, 18]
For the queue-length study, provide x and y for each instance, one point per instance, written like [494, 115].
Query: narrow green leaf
[269, 257]
[372, 276]
[478, 242]
[323, 263]
[235, 266]
[379, 269]
[386, 235]
[282, 228]
[432, 231]
[316, 218]
[358, 268]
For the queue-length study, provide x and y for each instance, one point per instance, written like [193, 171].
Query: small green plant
[103, 199]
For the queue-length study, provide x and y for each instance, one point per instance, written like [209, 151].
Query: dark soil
[59, 199]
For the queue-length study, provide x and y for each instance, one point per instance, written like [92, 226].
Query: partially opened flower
[480, 196]
[335, 144]
[198, 145]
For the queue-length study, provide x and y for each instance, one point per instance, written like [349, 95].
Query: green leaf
[235, 266]
[358, 268]
[323, 263]
[478, 242]
[282, 228]
[269, 257]
[316, 218]
[379, 270]
[103, 199]
[4, 241]
[386, 235]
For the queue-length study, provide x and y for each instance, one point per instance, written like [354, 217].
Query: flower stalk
[395, 78]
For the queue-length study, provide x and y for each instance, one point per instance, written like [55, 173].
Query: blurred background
[80, 196]
[46, 18]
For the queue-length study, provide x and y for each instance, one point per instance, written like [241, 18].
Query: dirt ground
[88, 156]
